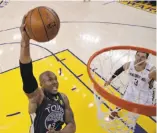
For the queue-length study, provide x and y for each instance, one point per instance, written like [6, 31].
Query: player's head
[141, 57]
[48, 81]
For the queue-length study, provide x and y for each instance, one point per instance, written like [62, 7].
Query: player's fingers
[105, 84]
[50, 129]
[24, 18]
[22, 28]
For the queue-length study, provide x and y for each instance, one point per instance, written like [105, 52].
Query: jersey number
[136, 82]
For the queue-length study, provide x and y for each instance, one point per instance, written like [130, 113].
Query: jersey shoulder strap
[61, 100]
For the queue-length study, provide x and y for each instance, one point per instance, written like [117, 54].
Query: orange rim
[148, 110]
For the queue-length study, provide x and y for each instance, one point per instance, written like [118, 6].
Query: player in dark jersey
[52, 109]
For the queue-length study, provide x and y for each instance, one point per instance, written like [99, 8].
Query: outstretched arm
[117, 72]
[25, 47]
[30, 85]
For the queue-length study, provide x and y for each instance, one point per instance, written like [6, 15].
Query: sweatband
[29, 82]
[117, 72]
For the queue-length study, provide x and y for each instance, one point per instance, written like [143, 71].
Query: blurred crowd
[149, 2]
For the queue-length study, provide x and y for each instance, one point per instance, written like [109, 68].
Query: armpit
[36, 97]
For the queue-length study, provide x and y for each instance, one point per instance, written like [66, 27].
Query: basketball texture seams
[42, 24]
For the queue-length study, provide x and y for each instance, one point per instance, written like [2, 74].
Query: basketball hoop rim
[148, 110]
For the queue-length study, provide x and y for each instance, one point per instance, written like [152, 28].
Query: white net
[3, 3]
[131, 85]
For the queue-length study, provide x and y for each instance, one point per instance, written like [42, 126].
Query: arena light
[89, 38]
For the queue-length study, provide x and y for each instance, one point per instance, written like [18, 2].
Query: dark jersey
[50, 113]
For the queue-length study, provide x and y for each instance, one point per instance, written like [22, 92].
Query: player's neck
[140, 67]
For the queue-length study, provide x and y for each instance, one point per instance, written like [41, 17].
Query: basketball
[42, 24]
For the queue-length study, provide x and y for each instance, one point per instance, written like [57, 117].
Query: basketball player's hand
[107, 83]
[24, 35]
[51, 130]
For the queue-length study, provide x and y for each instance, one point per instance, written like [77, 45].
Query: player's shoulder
[64, 96]
[151, 67]
[152, 72]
